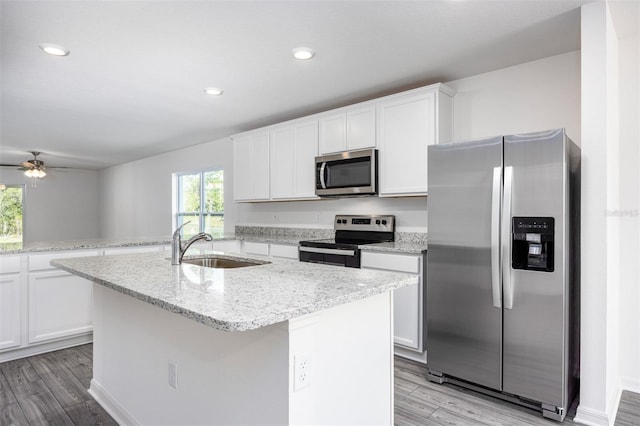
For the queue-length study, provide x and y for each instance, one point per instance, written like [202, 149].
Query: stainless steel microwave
[349, 173]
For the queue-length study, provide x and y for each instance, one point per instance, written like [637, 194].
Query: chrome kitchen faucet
[178, 248]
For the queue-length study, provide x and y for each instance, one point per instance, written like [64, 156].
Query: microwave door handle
[323, 170]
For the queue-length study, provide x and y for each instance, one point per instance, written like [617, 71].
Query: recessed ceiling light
[303, 53]
[213, 91]
[54, 49]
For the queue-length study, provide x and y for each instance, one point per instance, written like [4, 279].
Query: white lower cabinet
[42, 308]
[10, 302]
[409, 324]
[60, 305]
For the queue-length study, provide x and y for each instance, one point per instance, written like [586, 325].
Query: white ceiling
[133, 84]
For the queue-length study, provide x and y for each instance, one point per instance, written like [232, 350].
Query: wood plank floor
[420, 402]
[51, 389]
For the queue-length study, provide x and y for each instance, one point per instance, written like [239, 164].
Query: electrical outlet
[173, 374]
[302, 371]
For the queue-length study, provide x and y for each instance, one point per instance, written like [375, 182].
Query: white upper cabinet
[348, 128]
[251, 166]
[277, 162]
[407, 124]
[293, 150]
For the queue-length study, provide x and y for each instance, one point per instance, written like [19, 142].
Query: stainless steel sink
[221, 262]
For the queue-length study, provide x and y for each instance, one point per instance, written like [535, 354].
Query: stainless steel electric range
[351, 232]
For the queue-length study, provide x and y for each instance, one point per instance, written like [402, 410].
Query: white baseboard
[590, 417]
[37, 349]
[420, 357]
[111, 406]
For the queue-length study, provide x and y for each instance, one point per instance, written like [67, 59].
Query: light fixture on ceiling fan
[34, 168]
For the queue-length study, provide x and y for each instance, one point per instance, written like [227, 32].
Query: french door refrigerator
[503, 267]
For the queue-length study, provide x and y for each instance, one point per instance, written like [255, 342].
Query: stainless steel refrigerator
[503, 267]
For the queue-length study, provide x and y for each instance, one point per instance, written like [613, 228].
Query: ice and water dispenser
[532, 245]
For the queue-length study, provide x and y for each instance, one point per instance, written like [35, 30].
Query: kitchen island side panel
[243, 377]
[222, 378]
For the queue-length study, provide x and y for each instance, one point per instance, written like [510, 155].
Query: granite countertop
[234, 299]
[409, 242]
[92, 243]
[397, 247]
[269, 239]
[406, 242]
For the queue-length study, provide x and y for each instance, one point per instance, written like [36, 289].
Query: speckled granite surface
[95, 243]
[406, 242]
[281, 235]
[234, 299]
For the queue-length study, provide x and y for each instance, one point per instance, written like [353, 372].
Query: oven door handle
[327, 251]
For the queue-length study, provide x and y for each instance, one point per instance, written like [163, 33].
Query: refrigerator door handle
[506, 238]
[495, 237]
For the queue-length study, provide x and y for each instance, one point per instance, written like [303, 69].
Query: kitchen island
[281, 342]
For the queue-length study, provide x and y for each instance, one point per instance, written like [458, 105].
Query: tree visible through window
[11, 219]
[201, 201]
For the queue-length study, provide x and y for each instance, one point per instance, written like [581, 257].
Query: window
[200, 199]
[11, 216]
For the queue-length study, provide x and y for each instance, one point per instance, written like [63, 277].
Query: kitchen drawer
[283, 250]
[231, 246]
[128, 250]
[391, 262]
[9, 264]
[255, 248]
[40, 262]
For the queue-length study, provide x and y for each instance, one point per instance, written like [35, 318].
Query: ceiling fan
[33, 168]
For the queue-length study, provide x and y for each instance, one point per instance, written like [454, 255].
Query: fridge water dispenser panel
[533, 243]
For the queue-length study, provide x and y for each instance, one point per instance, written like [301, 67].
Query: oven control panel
[379, 223]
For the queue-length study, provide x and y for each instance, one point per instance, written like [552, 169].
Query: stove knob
[384, 222]
[377, 221]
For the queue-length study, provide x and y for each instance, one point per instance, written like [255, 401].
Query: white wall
[530, 97]
[411, 212]
[534, 96]
[627, 211]
[611, 234]
[63, 206]
[136, 197]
